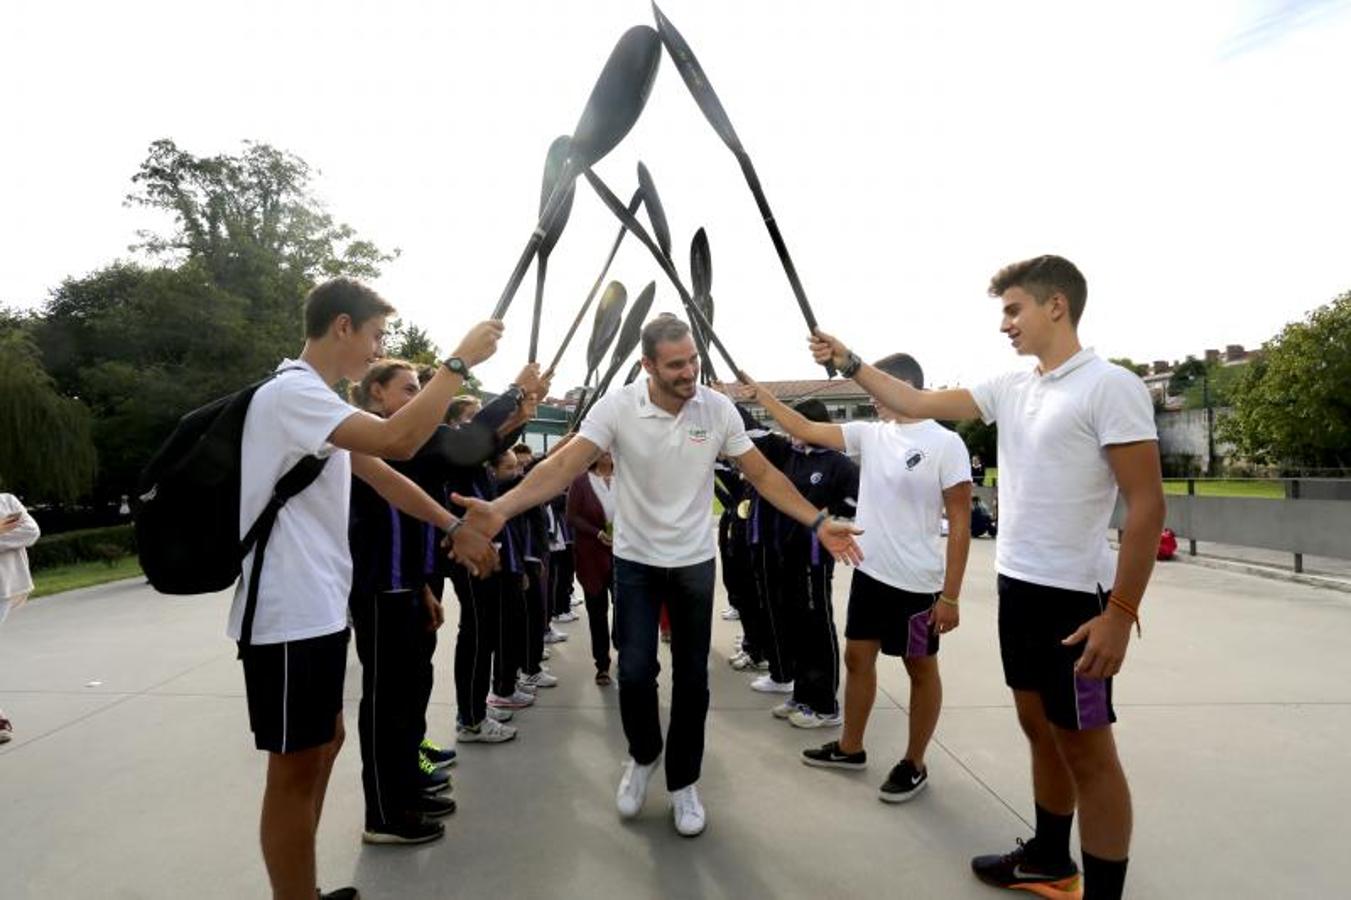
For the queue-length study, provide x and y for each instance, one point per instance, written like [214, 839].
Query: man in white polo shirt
[664, 433]
[1072, 433]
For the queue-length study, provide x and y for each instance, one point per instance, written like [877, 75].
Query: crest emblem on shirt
[913, 458]
[816, 477]
[697, 434]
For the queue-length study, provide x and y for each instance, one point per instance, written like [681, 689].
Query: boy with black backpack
[292, 630]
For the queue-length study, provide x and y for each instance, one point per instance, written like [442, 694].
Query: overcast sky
[1190, 157]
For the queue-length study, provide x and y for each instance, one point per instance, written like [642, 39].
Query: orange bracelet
[1128, 610]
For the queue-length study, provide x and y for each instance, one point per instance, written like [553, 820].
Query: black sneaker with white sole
[830, 756]
[413, 829]
[434, 807]
[904, 782]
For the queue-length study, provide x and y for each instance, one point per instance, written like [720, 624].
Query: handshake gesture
[471, 544]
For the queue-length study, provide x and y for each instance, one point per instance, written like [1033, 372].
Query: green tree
[411, 343]
[981, 439]
[1141, 369]
[1293, 404]
[46, 447]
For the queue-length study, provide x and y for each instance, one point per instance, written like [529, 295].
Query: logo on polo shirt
[913, 458]
[697, 434]
[816, 477]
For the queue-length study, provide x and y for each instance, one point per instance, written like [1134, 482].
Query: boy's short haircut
[1043, 276]
[523, 448]
[459, 405]
[904, 367]
[342, 296]
[812, 410]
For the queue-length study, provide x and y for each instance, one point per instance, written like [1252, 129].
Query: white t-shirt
[605, 493]
[903, 472]
[664, 471]
[307, 569]
[1056, 489]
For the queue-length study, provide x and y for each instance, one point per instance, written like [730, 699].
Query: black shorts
[897, 618]
[295, 691]
[1033, 620]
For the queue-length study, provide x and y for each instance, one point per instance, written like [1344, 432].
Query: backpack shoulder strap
[299, 477]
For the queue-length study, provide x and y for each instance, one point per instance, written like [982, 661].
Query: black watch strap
[456, 365]
[852, 364]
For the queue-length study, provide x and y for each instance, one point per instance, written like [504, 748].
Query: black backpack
[187, 524]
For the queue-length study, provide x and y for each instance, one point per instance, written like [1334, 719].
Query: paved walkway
[133, 773]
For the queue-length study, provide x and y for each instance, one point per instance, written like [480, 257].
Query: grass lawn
[1238, 487]
[78, 575]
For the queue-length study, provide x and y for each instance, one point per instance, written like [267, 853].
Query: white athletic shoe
[687, 811]
[806, 718]
[633, 787]
[739, 660]
[577, 601]
[568, 616]
[489, 731]
[730, 615]
[500, 715]
[540, 679]
[766, 684]
[554, 636]
[546, 654]
[785, 709]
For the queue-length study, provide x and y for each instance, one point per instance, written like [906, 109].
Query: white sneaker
[489, 731]
[785, 709]
[687, 811]
[518, 700]
[742, 661]
[806, 718]
[633, 787]
[540, 679]
[500, 715]
[731, 615]
[554, 636]
[577, 601]
[568, 616]
[546, 654]
[766, 684]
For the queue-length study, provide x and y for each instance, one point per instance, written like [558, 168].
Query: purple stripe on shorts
[429, 562]
[816, 550]
[918, 645]
[395, 551]
[1091, 697]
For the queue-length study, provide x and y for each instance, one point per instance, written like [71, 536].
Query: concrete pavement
[132, 774]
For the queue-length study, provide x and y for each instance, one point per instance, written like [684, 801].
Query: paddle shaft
[552, 210]
[696, 315]
[614, 249]
[540, 271]
[753, 181]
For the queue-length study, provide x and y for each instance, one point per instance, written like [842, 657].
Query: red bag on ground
[1167, 544]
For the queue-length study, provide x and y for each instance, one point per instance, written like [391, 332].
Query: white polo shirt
[1056, 489]
[664, 471]
[903, 471]
[307, 569]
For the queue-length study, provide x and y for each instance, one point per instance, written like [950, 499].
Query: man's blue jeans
[687, 591]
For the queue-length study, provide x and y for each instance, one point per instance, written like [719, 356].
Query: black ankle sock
[1104, 879]
[1053, 835]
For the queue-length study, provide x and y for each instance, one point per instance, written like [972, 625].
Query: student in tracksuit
[390, 617]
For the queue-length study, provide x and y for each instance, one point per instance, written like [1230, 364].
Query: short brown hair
[459, 405]
[663, 329]
[342, 296]
[380, 373]
[1043, 276]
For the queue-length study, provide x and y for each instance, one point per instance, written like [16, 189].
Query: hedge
[90, 545]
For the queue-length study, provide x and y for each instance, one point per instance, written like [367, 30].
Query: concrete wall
[1312, 527]
[1183, 433]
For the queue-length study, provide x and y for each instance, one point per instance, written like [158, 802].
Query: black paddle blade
[619, 96]
[633, 327]
[554, 164]
[633, 372]
[701, 266]
[609, 317]
[696, 80]
[655, 213]
[470, 444]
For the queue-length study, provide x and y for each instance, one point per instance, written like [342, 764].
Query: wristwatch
[852, 364]
[456, 366]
